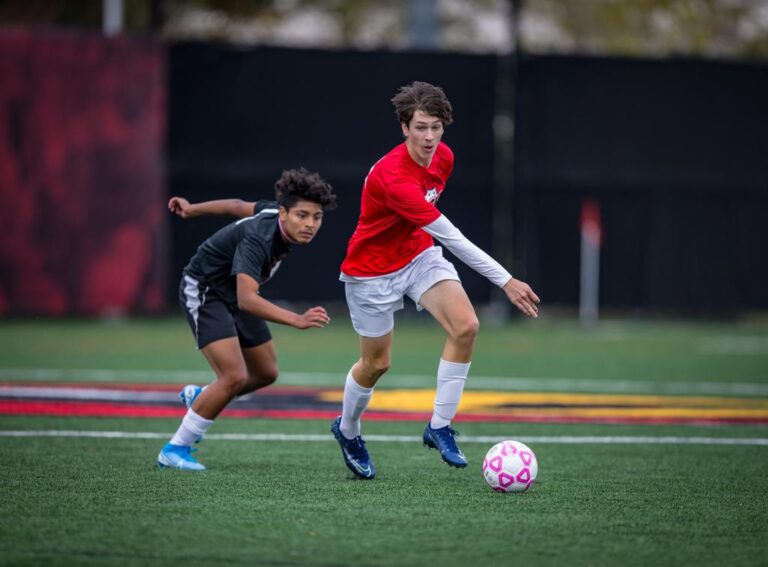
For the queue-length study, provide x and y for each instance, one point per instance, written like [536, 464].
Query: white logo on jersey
[431, 195]
[262, 211]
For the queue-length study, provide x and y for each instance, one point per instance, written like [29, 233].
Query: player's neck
[415, 157]
[286, 237]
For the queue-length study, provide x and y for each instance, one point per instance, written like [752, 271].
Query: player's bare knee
[269, 376]
[465, 330]
[381, 366]
[376, 367]
[235, 382]
[258, 380]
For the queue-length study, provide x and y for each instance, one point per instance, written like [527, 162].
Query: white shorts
[373, 301]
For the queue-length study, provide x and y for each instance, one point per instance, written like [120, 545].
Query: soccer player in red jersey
[392, 254]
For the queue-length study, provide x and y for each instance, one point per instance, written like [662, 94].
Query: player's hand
[180, 206]
[316, 317]
[521, 295]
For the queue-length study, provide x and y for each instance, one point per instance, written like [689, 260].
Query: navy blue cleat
[355, 454]
[444, 440]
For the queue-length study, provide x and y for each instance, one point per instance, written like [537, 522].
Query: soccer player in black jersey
[219, 293]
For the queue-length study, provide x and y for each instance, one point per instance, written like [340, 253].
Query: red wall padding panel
[82, 216]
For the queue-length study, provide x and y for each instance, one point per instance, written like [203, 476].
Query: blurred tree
[712, 28]
[731, 28]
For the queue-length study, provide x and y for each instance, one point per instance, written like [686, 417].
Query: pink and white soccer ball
[510, 466]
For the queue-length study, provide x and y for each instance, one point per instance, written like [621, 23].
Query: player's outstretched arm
[519, 293]
[248, 299]
[231, 207]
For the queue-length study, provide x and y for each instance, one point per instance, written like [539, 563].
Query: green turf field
[637, 352]
[100, 501]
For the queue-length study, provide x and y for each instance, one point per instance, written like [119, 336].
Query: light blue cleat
[189, 394]
[178, 457]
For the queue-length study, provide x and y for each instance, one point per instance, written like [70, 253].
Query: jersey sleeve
[448, 163]
[250, 257]
[263, 204]
[467, 252]
[407, 200]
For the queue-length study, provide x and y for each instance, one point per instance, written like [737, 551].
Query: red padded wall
[82, 216]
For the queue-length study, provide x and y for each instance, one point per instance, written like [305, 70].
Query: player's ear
[283, 212]
[404, 126]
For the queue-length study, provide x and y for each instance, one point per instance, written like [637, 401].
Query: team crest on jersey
[431, 195]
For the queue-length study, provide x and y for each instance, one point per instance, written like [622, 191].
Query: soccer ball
[510, 466]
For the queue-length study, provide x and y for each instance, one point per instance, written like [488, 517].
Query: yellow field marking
[671, 412]
[572, 405]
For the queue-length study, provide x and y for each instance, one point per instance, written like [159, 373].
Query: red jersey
[398, 199]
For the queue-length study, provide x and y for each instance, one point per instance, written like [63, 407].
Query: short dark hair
[301, 185]
[425, 97]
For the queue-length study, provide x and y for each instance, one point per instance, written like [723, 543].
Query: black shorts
[212, 319]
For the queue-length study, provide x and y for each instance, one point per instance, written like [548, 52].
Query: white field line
[90, 394]
[561, 440]
[322, 379]
[94, 394]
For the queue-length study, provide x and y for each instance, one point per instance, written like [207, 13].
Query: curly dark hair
[425, 97]
[301, 185]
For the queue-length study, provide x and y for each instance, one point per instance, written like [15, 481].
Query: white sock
[192, 428]
[451, 377]
[356, 398]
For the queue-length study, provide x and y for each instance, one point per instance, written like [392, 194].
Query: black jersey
[252, 246]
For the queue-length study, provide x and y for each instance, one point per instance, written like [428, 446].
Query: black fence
[238, 117]
[675, 151]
